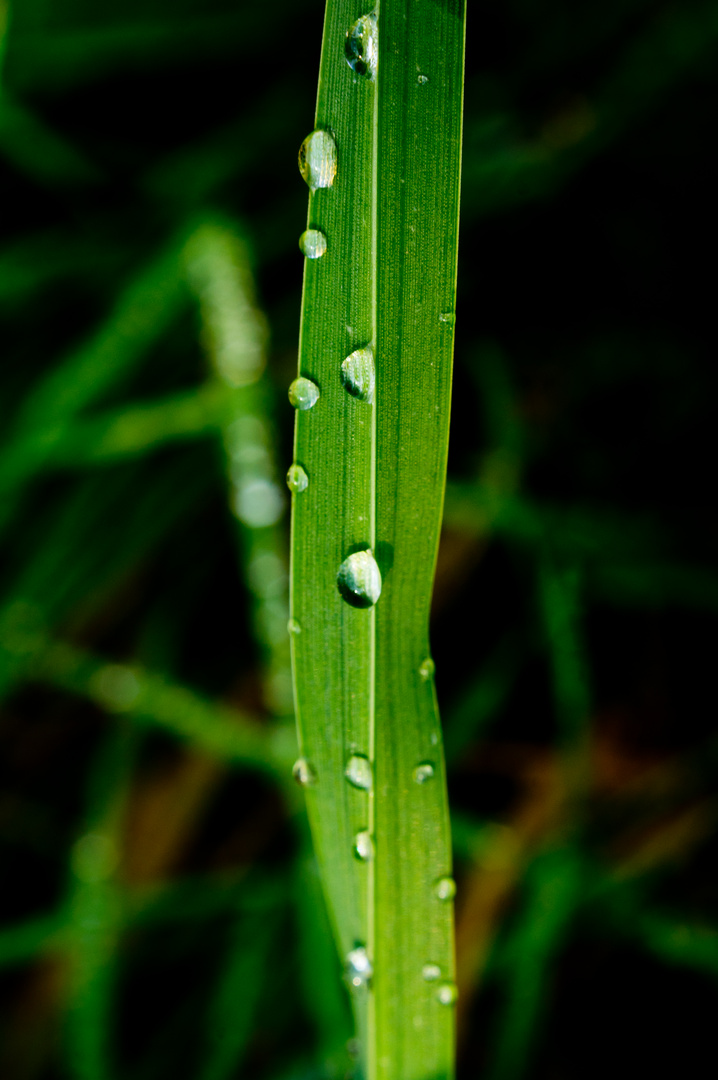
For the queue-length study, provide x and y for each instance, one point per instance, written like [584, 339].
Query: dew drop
[364, 846]
[423, 772]
[427, 668]
[422, 79]
[303, 393]
[431, 972]
[359, 579]
[445, 888]
[313, 243]
[448, 318]
[359, 967]
[304, 773]
[361, 46]
[446, 994]
[318, 159]
[293, 627]
[358, 772]
[358, 374]
[297, 479]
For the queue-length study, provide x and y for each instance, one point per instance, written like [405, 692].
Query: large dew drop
[359, 579]
[297, 479]
[361, 48]
[313, 243]
[445, 888]
[304, 773]
[423, 772]
[358, 374]
[427, 668]
[364, 846]
[318, 159]
[303, 393]
[359, 967]
[358, 772]
[431, 972]
[446, 994]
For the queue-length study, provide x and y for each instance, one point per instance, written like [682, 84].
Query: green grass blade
[375, 464]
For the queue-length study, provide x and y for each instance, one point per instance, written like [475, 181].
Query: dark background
[159, 914]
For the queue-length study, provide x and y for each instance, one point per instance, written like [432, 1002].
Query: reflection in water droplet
[304, 773]
[303, 393]
[359, 579]
[297, 479]
[293, 627]
[361, 48]
[447, 993]
[364, 846]
[318, 159]
[358, 374]
[445, 888]
[359, 968]
[431, 972]
[358, 772]
[448, 318]
[423, 772]
[422, 79]
[313, 243]
[427, 668]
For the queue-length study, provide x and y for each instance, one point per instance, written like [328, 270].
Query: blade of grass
[363, 676]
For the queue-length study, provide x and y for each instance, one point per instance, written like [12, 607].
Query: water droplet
[431, 972]
[313, 243]
[303, 393]
[447, 993]
[293, 627]
[359, 967]
[448, 318]
[359, 579]
[318, 159]
[361, 46]
[421, 79]
[445, 888]
[358, 772]
[364, 846]
[423, 772]
[427, 668]
[94, 858]
[297, 479]
[304, 773]
[358, 374]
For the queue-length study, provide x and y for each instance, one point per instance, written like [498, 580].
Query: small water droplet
[445, 888]
[421, 79]
[318, 159]
[358, 772]
[303, 393]
[423, 772]
[313, 243]
[359, 579]
[446, 994]
[297, 479]
[358, 374]
[448, 318]
[361, 46]
[359, 967]
[427, 668]
[364, 846]
[304, 773]
[293, 627]
[431, 972]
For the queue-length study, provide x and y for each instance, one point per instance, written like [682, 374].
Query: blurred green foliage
[160, 914]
